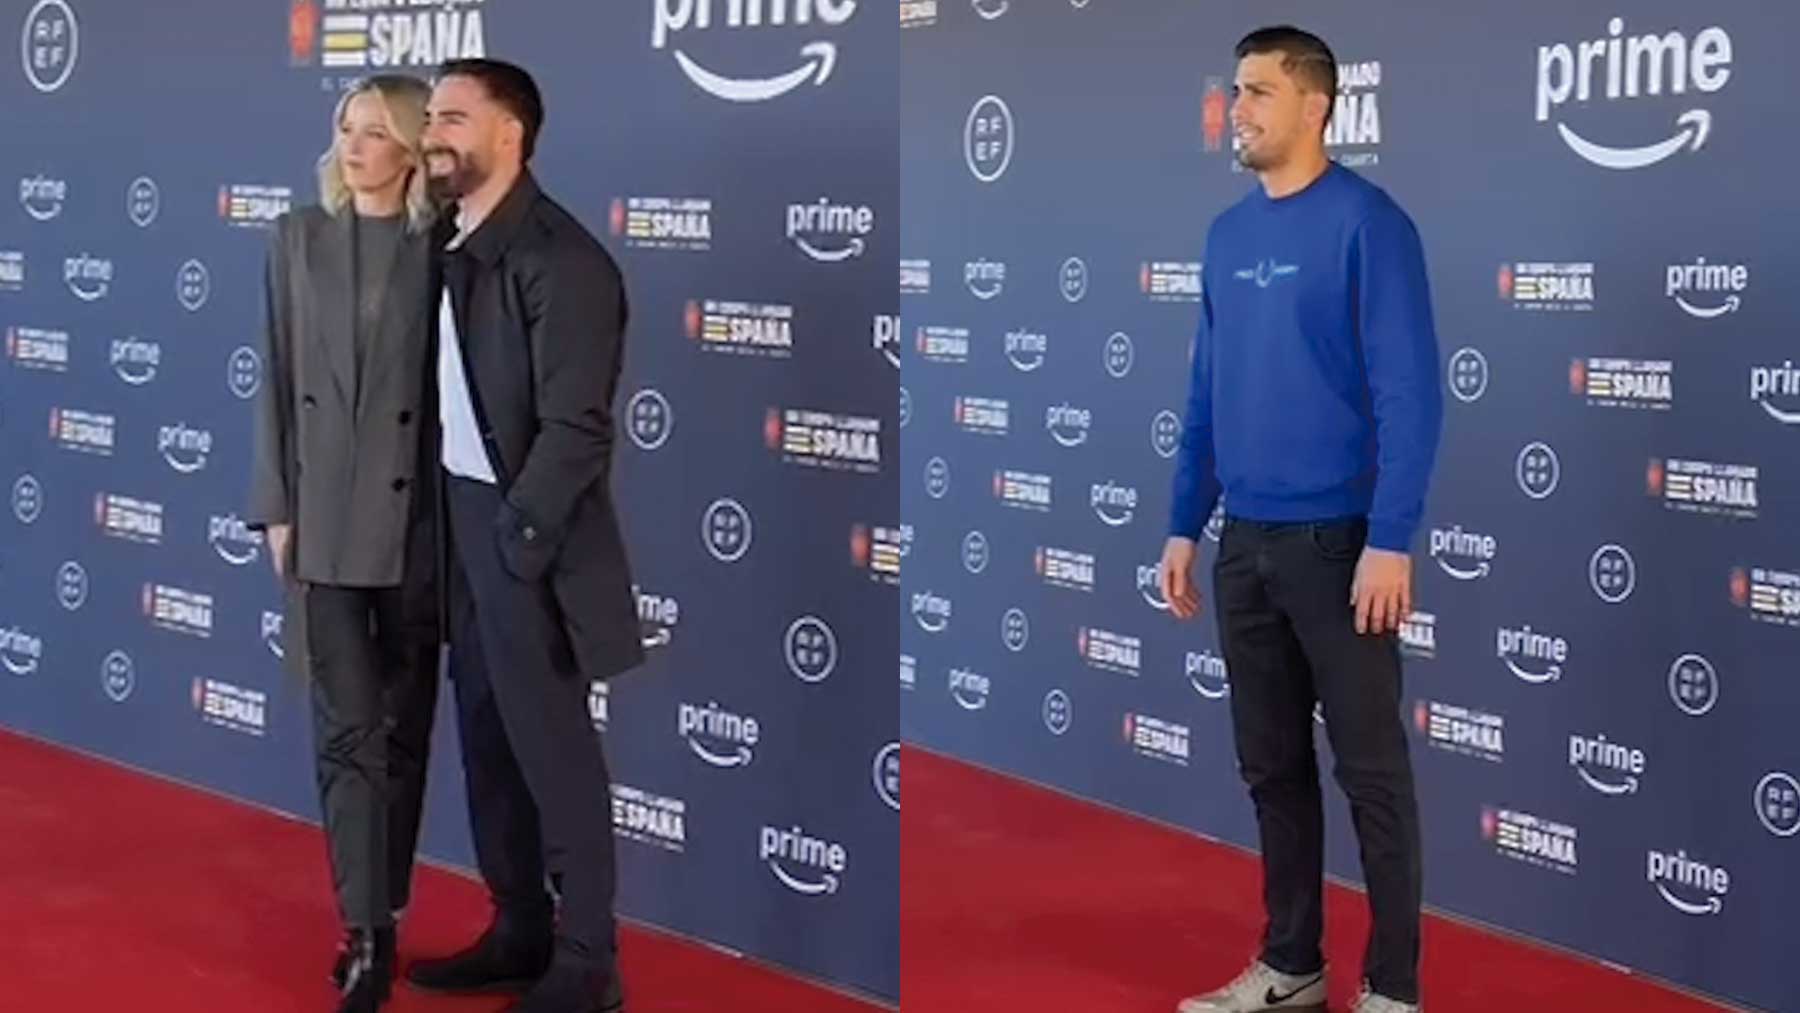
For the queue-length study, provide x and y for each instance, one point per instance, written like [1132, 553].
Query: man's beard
[464, 179]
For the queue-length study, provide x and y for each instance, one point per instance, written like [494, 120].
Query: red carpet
[119, 892]
[1018, 898]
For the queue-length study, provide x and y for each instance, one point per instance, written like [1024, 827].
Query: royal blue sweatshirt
[1315, 392]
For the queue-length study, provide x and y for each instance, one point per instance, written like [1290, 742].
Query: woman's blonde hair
[403, 102]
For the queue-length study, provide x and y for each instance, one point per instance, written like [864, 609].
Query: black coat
[541, 311]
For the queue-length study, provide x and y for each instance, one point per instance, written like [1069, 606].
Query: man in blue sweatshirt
[1315, 411]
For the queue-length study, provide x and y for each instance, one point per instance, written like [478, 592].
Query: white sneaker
[1261, 987]
[1374, 1002]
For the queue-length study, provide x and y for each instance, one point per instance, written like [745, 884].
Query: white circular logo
[27, 499]
[142, 201]
[726, 530]
[811, 649]
[243, 372]
[887, 775]
[1072, 279]
[1058, 713]
[649, 419]
[192, 285]
[988, 138]
[1778, 804]
[118, 676]
[1015, 630]
[71, 586]
[49, 44]
[1165, 433]
[1538, 470]
[937, 477]
[905, 406]
[1215, 524]
[1468, 375]
[1119, 355]
[975, 552]
[1613, 573]
[1693, 685]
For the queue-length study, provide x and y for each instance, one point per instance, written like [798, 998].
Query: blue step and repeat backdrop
[1600, 677]
[739, 159]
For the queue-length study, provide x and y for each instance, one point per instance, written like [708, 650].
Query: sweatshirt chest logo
[1266, 272]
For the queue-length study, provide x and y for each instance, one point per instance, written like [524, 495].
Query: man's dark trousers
[536, 775]
[1290, 640]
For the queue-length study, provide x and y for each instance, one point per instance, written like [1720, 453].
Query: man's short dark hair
[1304, 56]
[512, 87]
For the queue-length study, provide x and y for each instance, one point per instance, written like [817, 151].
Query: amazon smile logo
[817, 59]
[1689, 886]
[1619, 68]
[807, 865]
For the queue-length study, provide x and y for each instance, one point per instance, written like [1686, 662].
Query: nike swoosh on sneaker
[1274, 998]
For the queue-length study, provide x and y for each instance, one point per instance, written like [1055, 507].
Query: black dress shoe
[571, 987]
[368, 979]
[384, 957]
[497, 962]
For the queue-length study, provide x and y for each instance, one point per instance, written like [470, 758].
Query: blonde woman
[336, 487]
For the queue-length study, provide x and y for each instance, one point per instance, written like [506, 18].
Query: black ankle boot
[385, 941]
[502, 960]
[367, 963]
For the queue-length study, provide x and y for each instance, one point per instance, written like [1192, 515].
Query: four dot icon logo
[1778, 804]
[1015, 630]
[1538, 470]
[1058, 712]
[649, 419]
[142, 201]
[1613, 573]
[244, 373]
[193, 284]
[937, 477]
[50, 44]
[1120, 354]
[726, 530]
[1468, 375]
[975, 552]
[988, 138]
[1165, 433]
[1693, 685]
[118, 676]
[71, 586]
[27, 499]
[887, 775]
[811, 649]
[1072, 279]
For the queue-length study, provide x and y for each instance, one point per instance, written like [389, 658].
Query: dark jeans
[374, 694]
[1290, 640]
[539, 791]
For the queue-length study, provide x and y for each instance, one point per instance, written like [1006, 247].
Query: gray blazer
[337, 455]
